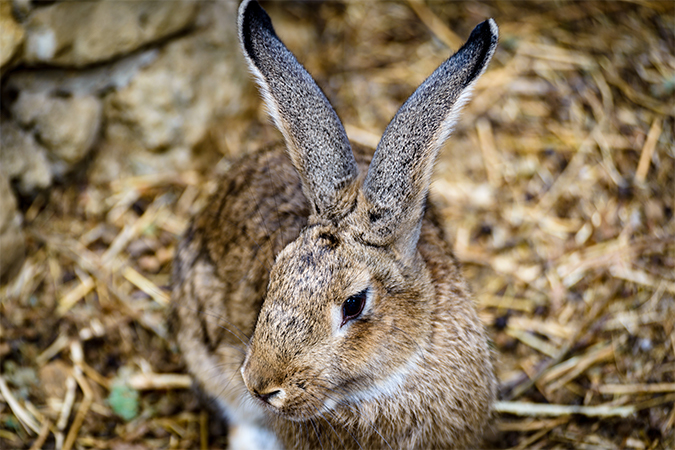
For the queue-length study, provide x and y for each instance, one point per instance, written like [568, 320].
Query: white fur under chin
[251, 437]
[390, 387]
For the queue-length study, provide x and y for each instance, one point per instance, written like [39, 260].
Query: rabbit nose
[269, 396]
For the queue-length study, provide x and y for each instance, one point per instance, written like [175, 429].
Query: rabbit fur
[269, 275]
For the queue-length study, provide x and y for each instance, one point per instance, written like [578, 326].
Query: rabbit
[316, 298]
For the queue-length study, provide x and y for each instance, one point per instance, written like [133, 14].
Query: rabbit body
[316, 299]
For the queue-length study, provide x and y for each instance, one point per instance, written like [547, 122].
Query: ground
[558, 187]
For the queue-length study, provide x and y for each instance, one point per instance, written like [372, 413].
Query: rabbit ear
[315, 138]
[398, 179]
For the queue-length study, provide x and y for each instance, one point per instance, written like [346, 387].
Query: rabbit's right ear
[315, 138]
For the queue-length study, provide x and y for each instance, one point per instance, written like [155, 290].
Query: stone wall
[110, 88]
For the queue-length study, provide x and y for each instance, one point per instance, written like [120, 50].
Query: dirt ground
[558, 187]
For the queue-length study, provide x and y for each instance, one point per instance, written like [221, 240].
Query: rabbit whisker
[206, 313]
[349, 406]
[337, 421]
[331, 427]
[355, 410]
[316, 430]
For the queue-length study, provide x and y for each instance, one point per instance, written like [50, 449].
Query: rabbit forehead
[319, 268]
[310, 277]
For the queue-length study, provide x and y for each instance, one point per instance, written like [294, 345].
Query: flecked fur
[262, 273]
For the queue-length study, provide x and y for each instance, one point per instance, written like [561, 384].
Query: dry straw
[558, 186]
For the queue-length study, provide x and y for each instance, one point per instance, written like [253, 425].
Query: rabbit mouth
[302, 408]
[301, 400]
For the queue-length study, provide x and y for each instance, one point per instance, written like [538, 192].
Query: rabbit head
[350, 299]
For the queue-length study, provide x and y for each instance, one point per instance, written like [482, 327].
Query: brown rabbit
[317, 300]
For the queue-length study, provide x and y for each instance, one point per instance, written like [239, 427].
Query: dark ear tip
[252, 15]
[486, 31]
[254, 23]
[247, 6]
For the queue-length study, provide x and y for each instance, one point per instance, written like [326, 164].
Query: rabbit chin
[386, 387]
[308, 405]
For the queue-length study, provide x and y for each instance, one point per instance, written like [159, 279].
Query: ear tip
[254, 25]
[251, 14]
[494, 29]
[242, 11]
[486, 31]
[245, 4]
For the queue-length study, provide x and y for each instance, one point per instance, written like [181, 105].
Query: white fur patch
[389, 387]
[249, 437]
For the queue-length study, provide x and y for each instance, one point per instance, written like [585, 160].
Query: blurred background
[557, 186]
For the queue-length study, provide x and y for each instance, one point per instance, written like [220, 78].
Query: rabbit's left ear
[398, 179]
[315, 138]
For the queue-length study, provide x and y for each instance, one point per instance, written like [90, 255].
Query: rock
[78, 34]
[172, 101]
[145, 112]
[154, 122]
[72, 82]
[62, 110]
[23, 160]
[11, 33]
[12, 244]
[65, 126]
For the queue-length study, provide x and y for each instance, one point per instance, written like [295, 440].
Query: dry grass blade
[534, 409]
[648, 151]
[24, 416]
[436, 25]
[68, 301]
[636, 389]
[146, 286]
[42, 436]
[148, 381]
[604, 353]
[598, 308]
[81, 411]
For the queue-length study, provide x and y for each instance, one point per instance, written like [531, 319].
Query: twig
[24, 416]
[42, 437]
[596, 310]
[81, 411]
[544, 409]
[147, 381]
[67, 406]
[636, 388]
[648, 151]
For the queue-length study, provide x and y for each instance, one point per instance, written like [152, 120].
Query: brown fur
[221, 272]
[262, 274]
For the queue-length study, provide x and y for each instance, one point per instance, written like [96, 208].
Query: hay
[558, 184]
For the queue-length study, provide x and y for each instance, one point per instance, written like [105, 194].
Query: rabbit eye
[353, 306]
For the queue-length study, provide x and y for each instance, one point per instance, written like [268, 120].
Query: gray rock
[23, 160]
[11, 33]
[90, 81]
[171, 102]
[77, 34]
[60, 115]
[12, 243]
[65, 126]
[169, 106]
[158, 104]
